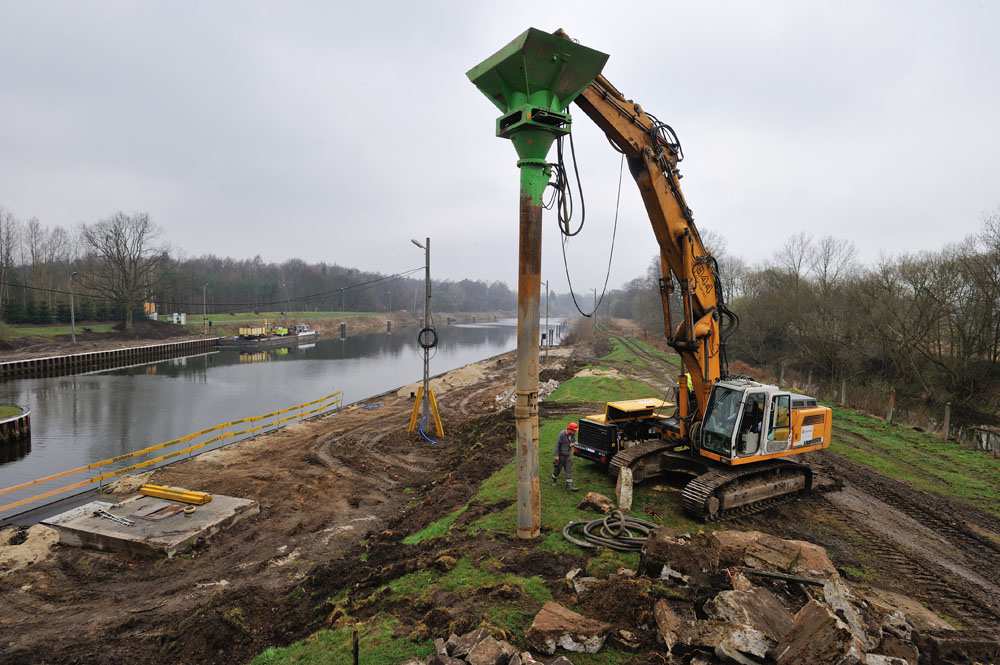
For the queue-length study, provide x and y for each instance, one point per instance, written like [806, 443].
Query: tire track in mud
[942, 516]
[922, 577]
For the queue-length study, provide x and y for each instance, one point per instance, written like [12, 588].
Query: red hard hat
[572, 427]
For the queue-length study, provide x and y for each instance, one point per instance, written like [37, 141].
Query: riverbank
[363, 525]
[26, 342]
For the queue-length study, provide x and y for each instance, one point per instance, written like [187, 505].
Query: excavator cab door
[750, 432]
[779, 430]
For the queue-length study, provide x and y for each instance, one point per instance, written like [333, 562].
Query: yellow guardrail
[334, 399]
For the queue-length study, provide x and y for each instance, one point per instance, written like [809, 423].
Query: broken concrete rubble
[761, 550]
[478, 647]
[490, 651]
[818, 637]
[668, 623]
[694, 555]
[556, 626]
[838, 597]
[756, 607]
[459, 647]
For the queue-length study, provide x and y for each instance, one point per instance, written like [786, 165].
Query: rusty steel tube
[529, 280]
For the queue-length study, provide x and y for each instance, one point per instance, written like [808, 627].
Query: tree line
[115, 265]
[926, 324]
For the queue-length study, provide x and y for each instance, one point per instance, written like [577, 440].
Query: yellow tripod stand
[435, 413]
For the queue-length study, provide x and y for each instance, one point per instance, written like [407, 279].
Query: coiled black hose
[615, 531]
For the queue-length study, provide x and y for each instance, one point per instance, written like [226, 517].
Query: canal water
[83, 418]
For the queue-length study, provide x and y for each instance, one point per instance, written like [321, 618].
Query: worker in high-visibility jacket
[690, 388]
[563, 459]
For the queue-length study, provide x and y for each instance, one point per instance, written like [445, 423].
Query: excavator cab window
[780, 426]
[751, 425]
[720, 420]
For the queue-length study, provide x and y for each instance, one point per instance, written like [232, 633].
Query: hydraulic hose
[615, 531]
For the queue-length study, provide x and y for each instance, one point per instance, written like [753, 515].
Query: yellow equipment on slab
[176, 494]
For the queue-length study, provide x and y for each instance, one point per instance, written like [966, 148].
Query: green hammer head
[533, 80]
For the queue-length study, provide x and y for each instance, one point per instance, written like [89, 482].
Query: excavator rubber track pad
[734, 491]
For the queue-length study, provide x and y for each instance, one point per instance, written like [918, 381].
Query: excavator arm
[652, 152]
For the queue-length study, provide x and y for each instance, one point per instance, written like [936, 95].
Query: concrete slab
[168, 535]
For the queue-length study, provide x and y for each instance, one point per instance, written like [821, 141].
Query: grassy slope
[919, 459]
[55, 329]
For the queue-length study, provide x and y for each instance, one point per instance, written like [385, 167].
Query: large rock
[596, 501]
[757, 608]
[764, 551]
[557, 626]
[490, 651]
[818, 637]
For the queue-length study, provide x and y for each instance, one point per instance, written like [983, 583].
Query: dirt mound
[142, 329]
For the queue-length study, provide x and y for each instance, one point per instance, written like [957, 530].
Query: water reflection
[83, 418]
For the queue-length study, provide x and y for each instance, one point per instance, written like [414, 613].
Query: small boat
[257, 337]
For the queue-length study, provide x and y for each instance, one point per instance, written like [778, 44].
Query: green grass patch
[377, 645]
[466, 576]
[435, 529]
[620, 353]
[9, 411]
[917, 458]
[601, 389]
[55, 330]
[559, 505]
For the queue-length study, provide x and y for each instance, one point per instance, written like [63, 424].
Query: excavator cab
[746, 421]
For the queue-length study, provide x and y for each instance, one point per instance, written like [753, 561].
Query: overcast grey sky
[337, 132]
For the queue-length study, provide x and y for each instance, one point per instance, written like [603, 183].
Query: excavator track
[655, 458]
[735, 491]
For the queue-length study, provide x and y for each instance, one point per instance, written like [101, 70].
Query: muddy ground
[322, 486]
[347, 489]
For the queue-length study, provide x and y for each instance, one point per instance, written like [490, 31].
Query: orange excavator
[736, 438]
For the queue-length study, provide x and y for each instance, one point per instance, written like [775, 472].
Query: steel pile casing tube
[529, 281]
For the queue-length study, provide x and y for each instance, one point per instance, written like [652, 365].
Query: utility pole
[72, 313]
[204, 308]
[426, 405]
[342, 300]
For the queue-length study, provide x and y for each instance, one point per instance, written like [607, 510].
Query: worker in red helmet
[563, 460]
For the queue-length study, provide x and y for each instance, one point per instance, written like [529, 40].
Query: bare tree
[833, 259]
[795, 256]
[9, 237]
[126, 261]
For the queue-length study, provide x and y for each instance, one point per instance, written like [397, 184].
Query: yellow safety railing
[332, 400]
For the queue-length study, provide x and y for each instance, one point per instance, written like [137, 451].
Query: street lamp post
[72, 306]
[204, 308]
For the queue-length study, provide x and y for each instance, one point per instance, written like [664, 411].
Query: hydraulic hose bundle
[616, 531]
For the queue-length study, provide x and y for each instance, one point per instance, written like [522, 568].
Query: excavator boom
[652, 151]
